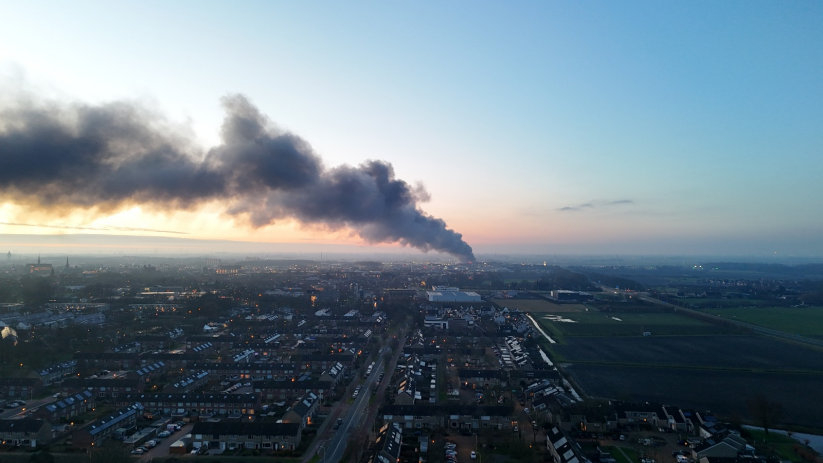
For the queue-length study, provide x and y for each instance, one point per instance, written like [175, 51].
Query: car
[163, 434]
[473, 455]
[137, 451]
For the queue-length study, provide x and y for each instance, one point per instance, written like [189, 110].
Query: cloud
[58, 157]
[595, 205]
[103, 228]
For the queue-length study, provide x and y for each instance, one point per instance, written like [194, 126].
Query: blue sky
[536, 127]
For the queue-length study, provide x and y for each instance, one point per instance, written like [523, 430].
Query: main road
[333, 449]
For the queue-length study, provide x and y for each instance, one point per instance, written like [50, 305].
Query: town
[178, 359]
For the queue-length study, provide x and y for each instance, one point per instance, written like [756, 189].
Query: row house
[175, 362]
[640, 413]
[287, 390]
[103, 388]
[322, 362]
[676, 420]
[150, 372]
[67, 408]
[19, 388]
[302, 411]
[562, 448]
[730, 447]
[265, 436]
[389, 443]
[197, 404]
[93, 361]
[98, 431]
[219, 342]
[452, 416]
[535, 374]
[153, 341]
[481, 377]
[333, 374]
[417, 383]
[26, 432]
[55, 373]
[254, 371]
[189, 383]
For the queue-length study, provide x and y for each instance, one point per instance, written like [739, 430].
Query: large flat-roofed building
[451, 294]
[564, 295]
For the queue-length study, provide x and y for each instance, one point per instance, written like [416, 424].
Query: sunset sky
[534, 127]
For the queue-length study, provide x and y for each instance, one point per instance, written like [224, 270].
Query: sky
[525, 127]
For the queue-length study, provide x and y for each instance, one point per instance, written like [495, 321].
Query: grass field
[725, 393]
[714, 352]
[688, 362]
[782, 445]
[594, 323]
[623, 454]
[805, 321]
[536, 306]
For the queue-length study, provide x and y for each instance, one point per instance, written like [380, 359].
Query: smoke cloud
[103, 158]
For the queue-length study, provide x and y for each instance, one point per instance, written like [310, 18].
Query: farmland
[738, 353]
[539, 306]
[687, 362]
[723, 392]
[595, 323]
[805, 321]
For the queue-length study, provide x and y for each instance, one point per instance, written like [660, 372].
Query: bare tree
[765, 412]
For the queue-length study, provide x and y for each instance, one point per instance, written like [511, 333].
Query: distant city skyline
[527, 128]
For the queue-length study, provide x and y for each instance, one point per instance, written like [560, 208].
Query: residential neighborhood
[342, 361]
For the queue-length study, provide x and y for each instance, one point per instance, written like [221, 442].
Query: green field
[595, 323]
[805, 321]
[783, 446]
[691, 362]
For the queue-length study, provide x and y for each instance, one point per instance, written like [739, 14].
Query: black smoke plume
[102, 158]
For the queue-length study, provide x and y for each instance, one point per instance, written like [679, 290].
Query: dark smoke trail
[106, 157]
